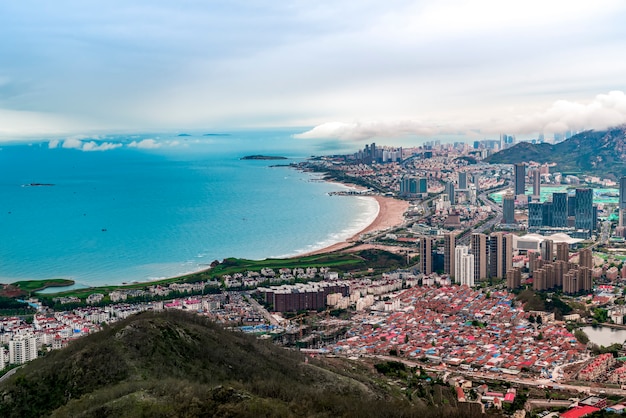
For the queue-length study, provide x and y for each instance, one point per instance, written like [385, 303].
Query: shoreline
[390, 214]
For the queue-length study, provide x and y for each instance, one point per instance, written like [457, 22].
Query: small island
[262, 157]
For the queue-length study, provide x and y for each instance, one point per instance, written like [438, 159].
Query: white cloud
[104, 146]
[604, 111]
[72, 143]
[145, 144]
[53, 143]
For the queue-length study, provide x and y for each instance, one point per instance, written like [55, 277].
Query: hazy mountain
[592, 152]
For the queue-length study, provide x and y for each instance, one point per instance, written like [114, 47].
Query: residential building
[426, 254]
[448, 254]
[520, 178]
[22, 349]
[481, 256]
[500, 254]
[508, 209]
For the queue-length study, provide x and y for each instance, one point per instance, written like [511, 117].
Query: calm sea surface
[132, 214]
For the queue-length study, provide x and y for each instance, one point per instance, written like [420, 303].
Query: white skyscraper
[459, 252]
[467, 270]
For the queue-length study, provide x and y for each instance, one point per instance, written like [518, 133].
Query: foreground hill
[593, 152]
[175, 364]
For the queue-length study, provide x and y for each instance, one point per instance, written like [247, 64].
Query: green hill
[591, 152]
[175, 364]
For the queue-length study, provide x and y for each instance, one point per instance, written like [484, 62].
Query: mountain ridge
[601, 152]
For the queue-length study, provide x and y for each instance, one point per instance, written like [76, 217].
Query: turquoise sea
[152, 206]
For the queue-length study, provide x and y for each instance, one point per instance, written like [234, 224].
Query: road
[510, 379]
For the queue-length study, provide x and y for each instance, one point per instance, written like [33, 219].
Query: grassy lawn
[35, 285]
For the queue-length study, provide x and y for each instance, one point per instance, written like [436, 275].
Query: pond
[604, 335]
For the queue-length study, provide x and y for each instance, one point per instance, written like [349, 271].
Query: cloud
[604, 111]
[368, 129]
[104, 146]
[77, 143]
[145, 144]
[53, 144]
[74, 143]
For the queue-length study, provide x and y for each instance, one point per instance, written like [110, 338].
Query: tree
[531, 319]
[581, 336]
[539, 320]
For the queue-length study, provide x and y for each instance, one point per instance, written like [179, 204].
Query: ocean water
[137, 214]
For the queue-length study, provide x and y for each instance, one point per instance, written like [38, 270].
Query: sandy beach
[390, 214]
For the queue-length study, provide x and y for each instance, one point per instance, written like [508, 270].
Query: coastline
[390, 214]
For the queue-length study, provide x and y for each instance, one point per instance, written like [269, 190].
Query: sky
[337, 69]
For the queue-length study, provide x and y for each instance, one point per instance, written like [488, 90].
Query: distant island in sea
[263, 157]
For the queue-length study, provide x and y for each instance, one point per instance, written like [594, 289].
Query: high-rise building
[584, 209]
[547, 250]
[536, 182]
[520, 178]
[585, 258]
[535, 215]
[571, 205]
[422, 185]
[546, 214]
[514, 278]
[22, 350]
[448, 254]
[562, 251]
[459, 252]
[426, 254]
[481, 256]
[476, 181]
[559, 210]
[408, 186]
[463, 180]
[539, 280]
[465, 267]
[622, 201]
[533, 259]
[450, 193]
[500, 254]
[508, 209]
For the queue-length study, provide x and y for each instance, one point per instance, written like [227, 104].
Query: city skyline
[334, 70]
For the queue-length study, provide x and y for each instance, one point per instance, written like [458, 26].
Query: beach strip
[390, 214]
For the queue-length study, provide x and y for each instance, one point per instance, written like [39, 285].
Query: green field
[36, 285]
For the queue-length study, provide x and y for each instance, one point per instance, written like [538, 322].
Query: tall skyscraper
[463, 180]
[520, 178]
[535, 215]
[559, 210]
[585, 258]
[422, 185]
[547, 250]
[426, 254]
[476, 181]
[584, 209]
[622, 201]
[467, 270]
[562, 251]
[459, 273]
[500, 254]
[481, 256]
[448, 254]
[546, 214]
[508, 209]
[536, 182]
[450, 193]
